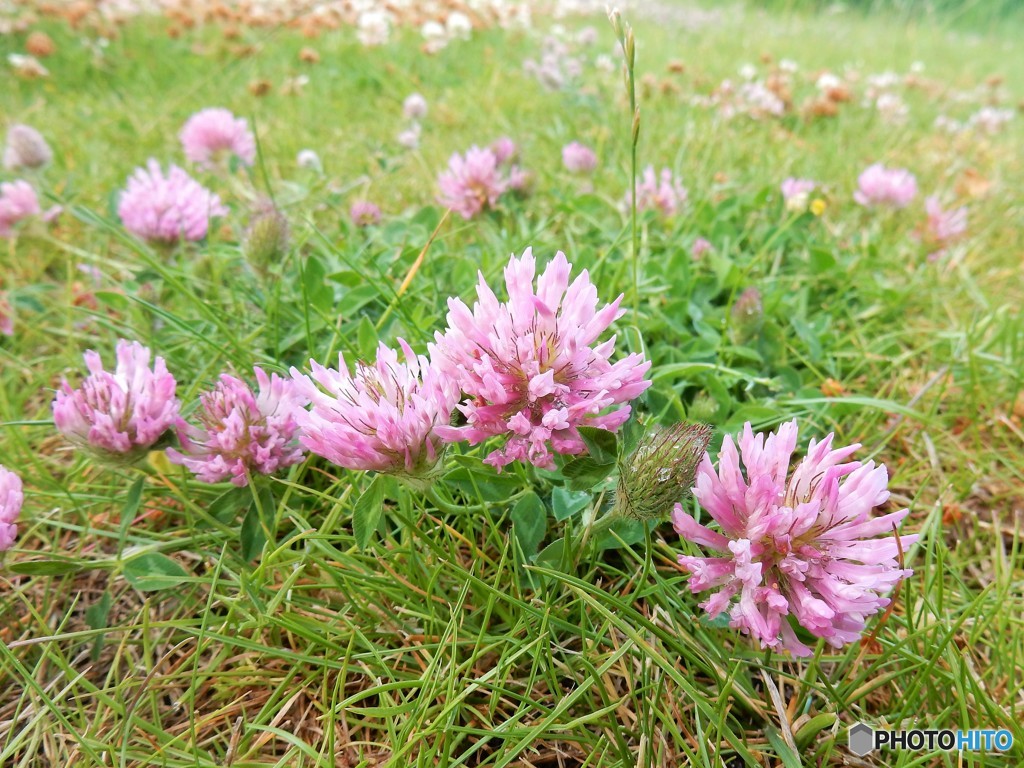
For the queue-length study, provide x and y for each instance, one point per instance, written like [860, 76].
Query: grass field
[149, 619]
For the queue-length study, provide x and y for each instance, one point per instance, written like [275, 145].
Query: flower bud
[747, 314]
[25, 148]
[660, 472]
[266, 239]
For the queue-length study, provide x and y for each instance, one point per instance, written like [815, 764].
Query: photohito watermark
[864, 739]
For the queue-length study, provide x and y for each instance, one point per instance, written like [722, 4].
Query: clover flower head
[18, 202]
[414, 107]
[214, 132]
[659, 192]
[364, 213]
[944, 225]
[119, 416]
[472, 183]
[383, 417]
[892, 187]
[309, 159]
[796, 193]
[11, 499]
[578, 158]
[530, 367]
[801, 544]
[242, 432]
[167, 207]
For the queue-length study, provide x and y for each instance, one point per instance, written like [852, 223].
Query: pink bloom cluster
[578, 158]
[700, 247]
[795, 193]
[167, 208]
[120, 414]
[242, 432]
[944, 226]
[18, 202]
[802, 545]
[660, 192]
[504, 149]
[475, 182]
[384, 417]
[527, 366]
[11, 499]
[212, 132]
[364, 213]
[878, 185]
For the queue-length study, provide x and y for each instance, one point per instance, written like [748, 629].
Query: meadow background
[276, 639]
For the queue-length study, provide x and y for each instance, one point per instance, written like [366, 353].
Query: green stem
[648, 554]
[597, 527]
[450, 507]
[634, 141]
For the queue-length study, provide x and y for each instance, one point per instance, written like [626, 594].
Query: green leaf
[529, 524]
[315, 287]
[631, 434]
[790, 759]
[259, 523]
[721, 621]
[822, 261]
[53, 566]
[97, 613]
[812, 728]
[474, 478]
[268, 507]
[809, 335]
[551, 556]
[96, 616]
[584, 473]
[602, 445]
[225, 507]
[634, 340]
[357, 298]
[427, 217]
[367, 338]
[368, 511]
[251, 534]
[154, 571]
[565, 503]
[625, 533]
[112, 299]
[131, 505]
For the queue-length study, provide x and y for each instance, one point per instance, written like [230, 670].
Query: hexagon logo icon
[862, 739]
